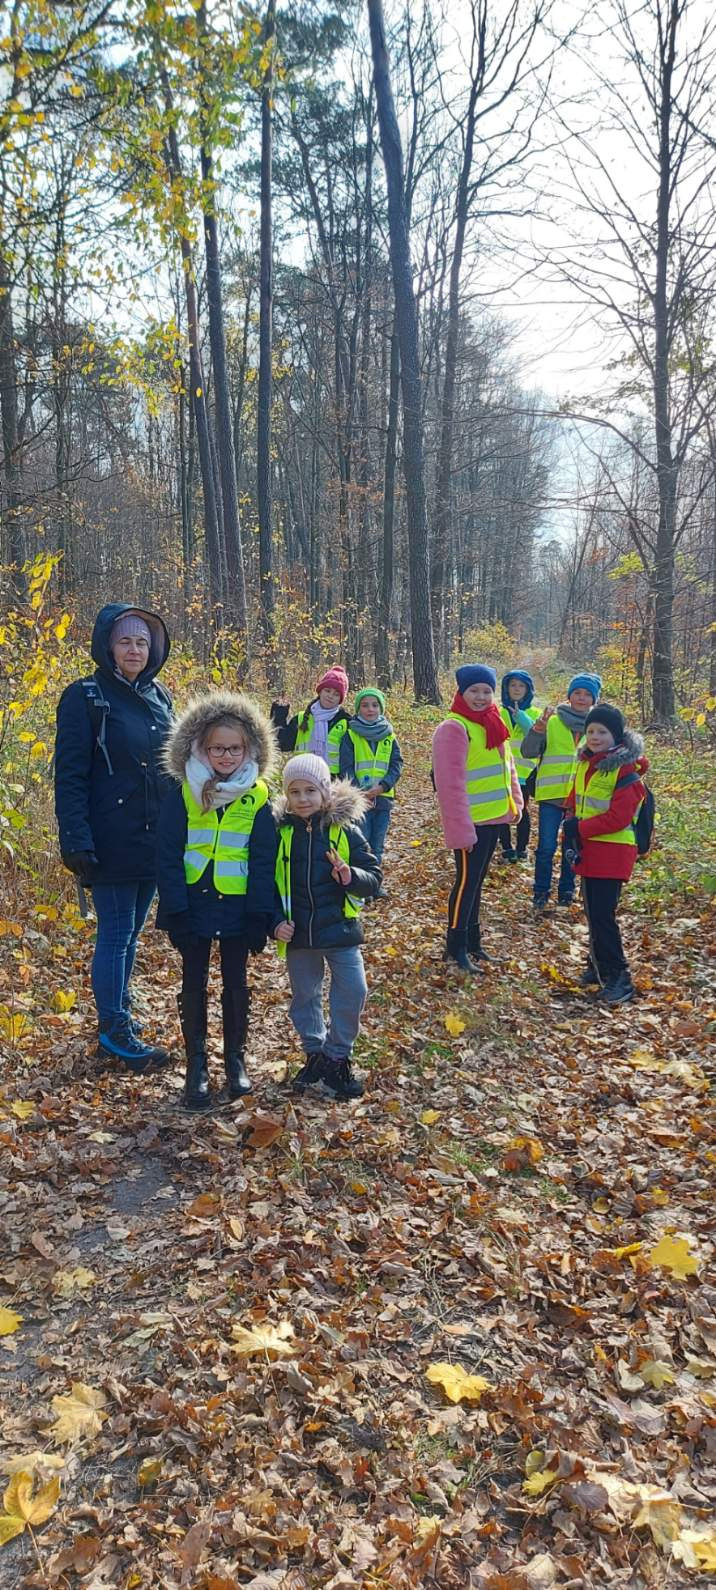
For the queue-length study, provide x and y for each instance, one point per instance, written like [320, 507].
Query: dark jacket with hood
[114, 814]
[316, 898]
[602, 860]
[204, 910]
[287, 730]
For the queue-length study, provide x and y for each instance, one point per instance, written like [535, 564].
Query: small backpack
[643, 822]
[99, 709]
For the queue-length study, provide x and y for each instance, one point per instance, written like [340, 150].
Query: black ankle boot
[456, 950]
[192, 1012]
[235, 1014]
[474, 947]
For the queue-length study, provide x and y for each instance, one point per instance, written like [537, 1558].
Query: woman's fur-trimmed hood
[203, 712]
[630, 749]
[346, 804]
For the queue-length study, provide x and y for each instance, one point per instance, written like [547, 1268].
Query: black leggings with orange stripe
[470, 871]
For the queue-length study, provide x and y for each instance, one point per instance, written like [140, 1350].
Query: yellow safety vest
[372, 761]
[555, 774]
[339, 841]
[225, 843]
[523, 764]
[333, 739]
[488, 784]
[597, 797]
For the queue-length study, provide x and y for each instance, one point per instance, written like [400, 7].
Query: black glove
[255, 933]
[279, 713]
[82, 862]
[570, 829]
[181, 933]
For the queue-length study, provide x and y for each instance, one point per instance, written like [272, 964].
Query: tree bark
[263, 428]
[425, 677]
[663, 668]
[12, 466]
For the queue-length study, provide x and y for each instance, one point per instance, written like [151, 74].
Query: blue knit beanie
[475, 674]
[590, 682]
[517, 673]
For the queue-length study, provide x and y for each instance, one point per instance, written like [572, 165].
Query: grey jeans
[346, 998]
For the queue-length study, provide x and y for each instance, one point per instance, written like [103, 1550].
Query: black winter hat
[611, 719]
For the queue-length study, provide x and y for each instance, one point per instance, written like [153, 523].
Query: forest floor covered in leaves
[460, 1333]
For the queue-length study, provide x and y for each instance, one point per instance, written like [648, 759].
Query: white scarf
[197, 771]
[318, 743]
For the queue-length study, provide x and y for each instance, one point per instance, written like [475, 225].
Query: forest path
[494, 1201]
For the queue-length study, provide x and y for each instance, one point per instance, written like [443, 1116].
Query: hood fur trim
[346, 804]
[206, 710]
[630, 750]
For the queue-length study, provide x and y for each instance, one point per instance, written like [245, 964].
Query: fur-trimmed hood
[203, 712]
[630, 749]
[346, 804]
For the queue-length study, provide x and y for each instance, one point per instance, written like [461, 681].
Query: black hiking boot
[193, 1012]
[590, 975]
[311, 1072]
[339, 1079]
[617, 990]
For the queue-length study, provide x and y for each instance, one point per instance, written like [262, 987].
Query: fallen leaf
[32, 1462]
[429, 1117]
[455, 1025]
[78, 1415]
[63, 1001]
[262, 1339]
[206, 1204]
[457, 1384]
[148, 1472]
[67, 1282]
[9, 1321]
[661, 1513]
[23, 1109]
[674, 1254]
[697, 1548]
[656, 1373]
[19, 1501]
[262, 1131]
[540, 1481]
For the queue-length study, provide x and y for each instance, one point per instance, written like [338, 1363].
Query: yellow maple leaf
[455, 1025]
[10, 1527]
[656, 1373]
[532, 1146]
[19, 1501]
[626, 1251]
[12, 1026]
[702, 1543]
[78, 1415]
[674, 1254]
[429, 1117]
[660, 1513]
[9, 1321]
[62, 1002]
[23, 1109]
[457, 1384]
[67, 1282]
[540, 1481]
[262, 1339]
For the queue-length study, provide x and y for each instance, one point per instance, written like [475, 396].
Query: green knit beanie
[370, 690]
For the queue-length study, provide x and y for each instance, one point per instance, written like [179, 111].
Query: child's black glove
[255, 934]
[181, 933]
[279, 713]
[570, 829]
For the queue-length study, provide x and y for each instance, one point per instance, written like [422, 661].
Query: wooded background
[220, 228]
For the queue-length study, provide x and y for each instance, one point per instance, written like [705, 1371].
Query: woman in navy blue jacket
[109, 783]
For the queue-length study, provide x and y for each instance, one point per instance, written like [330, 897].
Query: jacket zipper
[308, 884]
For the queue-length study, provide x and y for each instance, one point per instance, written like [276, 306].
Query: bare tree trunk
[382, 640]
[663, 668]
[12, 466]
[424, 669]
[228, 503]
[263, 433]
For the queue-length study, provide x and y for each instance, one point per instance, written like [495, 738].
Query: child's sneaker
[121, 1043]
[310, 1073]
[617, 990]
[339, 1080]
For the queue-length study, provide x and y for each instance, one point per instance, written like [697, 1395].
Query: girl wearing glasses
[216, 863]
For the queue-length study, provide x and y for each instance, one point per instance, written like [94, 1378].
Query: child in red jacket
[600, 811]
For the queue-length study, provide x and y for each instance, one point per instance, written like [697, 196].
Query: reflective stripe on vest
[339, 841]
[596, 796]
[488, 785]
[372, 761]
[224, 843]
[523, 764]
[333, 740]
[555, 774]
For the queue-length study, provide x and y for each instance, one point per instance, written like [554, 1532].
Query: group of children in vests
[237, 867]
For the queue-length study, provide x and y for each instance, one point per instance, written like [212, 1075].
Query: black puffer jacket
[115, 815]
[316, 898]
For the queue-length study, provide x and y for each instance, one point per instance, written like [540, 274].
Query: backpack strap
[629, 778]
[98, 709]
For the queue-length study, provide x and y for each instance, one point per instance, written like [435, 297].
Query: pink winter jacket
[449, 756]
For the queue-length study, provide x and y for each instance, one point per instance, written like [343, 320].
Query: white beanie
[311, 768]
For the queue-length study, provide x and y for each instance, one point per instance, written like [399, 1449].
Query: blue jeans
[346, 998]
[550, 822]
[375, 824]
[121, 910]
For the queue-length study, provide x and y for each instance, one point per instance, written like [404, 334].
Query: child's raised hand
[340, 871]
[544, 717]
[285, 932]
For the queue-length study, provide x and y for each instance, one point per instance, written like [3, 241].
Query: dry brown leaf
[264, 1338]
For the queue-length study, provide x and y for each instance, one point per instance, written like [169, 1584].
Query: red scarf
[489, 720]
